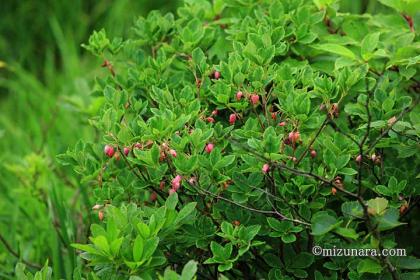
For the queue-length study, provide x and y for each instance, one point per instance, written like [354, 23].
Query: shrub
[321, 149]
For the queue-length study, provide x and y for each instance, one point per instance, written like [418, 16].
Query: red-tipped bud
[239, 95]
[172, 152]
[313, 154]
[232, 119]
[209, 148]
[109, 151]
[359, 159]
[294, 136]
[126, 151]
[117, 156]
[254, 99]
[282, 124]
[210, 120]
[153, 196]
[274, 115]
[265, 168]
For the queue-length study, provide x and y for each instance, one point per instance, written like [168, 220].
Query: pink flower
[109, 150]
[209, 148]
[294, 136]
[176, 182]
[255, 99]
[265, 168]
[172, 152]
[232, 119]
[239, 95]
[216, 75]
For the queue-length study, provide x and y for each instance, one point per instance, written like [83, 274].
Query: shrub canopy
[252, 132]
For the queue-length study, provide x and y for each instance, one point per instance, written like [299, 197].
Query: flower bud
[126, 151]
[153, 196]
[313, 154]
[109, 150]
[101, 215]
[282, 124]
[210, 120]
[294, 136]
[255, 99]
[232, 119]
[215, 112]
[216, 75]
[333, 191]
[172, 152]
[209, 148]
[359, 159]
[97, 207]
[265, 168]
[239, 95]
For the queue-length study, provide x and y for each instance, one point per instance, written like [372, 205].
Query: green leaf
[189, 270]
[322, 222]
[150, 246]
[369, 44]
[288, 238]
[138, 248]
[172, 201]
[378, 205]
[185, 212]
[347, 232]
[369, 266]
[336, 49]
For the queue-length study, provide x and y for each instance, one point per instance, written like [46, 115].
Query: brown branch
[17, 255]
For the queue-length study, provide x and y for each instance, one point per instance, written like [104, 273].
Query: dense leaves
[247, 132]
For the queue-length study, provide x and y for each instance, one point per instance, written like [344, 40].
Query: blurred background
[45, 82]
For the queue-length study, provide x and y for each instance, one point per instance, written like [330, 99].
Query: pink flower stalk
[209, 148]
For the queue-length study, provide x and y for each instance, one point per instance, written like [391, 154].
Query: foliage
[240, 133]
